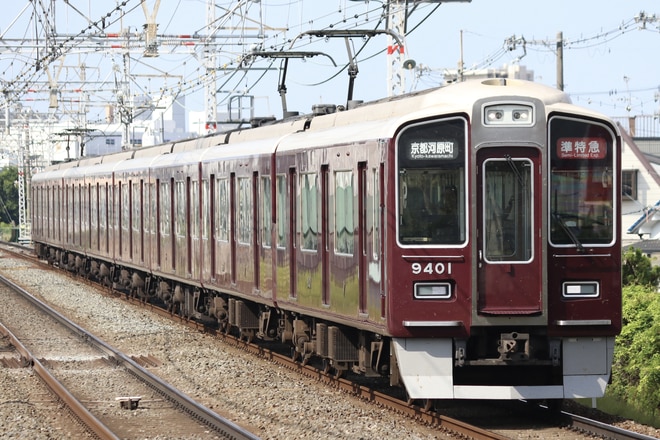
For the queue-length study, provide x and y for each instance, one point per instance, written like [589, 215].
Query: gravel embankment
[270, 400]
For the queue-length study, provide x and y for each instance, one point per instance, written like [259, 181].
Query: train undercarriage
[308, 338]
[490, 359]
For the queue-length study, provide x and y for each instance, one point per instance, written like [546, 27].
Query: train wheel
[427, 404]
[327, 366]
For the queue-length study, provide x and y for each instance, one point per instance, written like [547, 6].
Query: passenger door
[509, 246]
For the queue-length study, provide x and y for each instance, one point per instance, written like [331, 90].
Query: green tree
[638, 270]
[9, 195]
[636, 369]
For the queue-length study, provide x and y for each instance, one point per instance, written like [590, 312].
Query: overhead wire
[233, 75]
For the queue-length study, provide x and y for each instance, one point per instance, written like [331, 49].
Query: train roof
[137, 163]
[257, 147]
[152, 151]
[367, 121]
[176, 158]
[382, 118]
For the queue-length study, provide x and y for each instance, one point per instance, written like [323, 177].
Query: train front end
[504, 248]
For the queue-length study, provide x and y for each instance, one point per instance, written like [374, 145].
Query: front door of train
[509, 203]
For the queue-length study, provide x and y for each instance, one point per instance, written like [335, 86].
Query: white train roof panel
[242, 149]
[176, 159]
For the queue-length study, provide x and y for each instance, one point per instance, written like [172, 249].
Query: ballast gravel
[270, 400]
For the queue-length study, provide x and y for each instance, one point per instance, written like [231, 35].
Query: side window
[165, 209]
[194, 213]
[205, 208]
[375, 208]
[103, 206]
[222, 210]
[179, 207]
[58, 211]
[125, 206]
[150, 216]
[282, 204]
[70, 190]
[244, 210]
[344, 215]
[94, 203]
[266, 207]
[137, 205]
[309, 219]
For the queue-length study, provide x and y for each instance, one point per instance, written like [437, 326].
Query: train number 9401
[431, 268]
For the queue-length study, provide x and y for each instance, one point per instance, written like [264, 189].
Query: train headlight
[432, 290]
[509, 114]
[580, 289]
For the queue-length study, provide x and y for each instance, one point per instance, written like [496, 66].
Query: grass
[617, 407]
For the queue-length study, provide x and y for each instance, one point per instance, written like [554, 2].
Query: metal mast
[210, 63]
[396, 23]
[24, 224]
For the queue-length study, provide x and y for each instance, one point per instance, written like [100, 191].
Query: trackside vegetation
[636, 368]
[8, 203]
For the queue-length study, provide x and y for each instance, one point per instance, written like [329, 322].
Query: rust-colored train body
[464, 240]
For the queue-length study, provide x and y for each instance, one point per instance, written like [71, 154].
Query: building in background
[640, 179]
[512, 71]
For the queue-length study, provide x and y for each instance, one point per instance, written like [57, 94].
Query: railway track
[426, 415]
[422, 412]
[68, 359]
[602, 430]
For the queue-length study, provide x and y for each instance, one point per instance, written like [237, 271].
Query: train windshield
[508, 209]
[431, 183]
[582, 183]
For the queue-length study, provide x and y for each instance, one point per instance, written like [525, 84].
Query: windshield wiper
[515, 170]
[568, 232]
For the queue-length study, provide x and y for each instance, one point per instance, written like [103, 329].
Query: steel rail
[429, 417]
[603, 430]
[204, 415]
[77, 409]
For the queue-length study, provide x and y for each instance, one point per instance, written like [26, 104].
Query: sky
[611, 62]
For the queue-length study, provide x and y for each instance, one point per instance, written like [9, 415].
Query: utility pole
[461, 64]
[560, 61]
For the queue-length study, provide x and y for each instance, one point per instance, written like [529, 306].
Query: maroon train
[463, 241]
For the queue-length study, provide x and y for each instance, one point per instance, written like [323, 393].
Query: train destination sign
[432, 150]
[581, 148]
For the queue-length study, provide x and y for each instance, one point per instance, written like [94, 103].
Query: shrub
[636, 370]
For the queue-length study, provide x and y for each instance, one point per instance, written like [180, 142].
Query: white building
[513, 71]
[640, 206]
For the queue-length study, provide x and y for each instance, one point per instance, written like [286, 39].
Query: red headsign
[581, 148]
